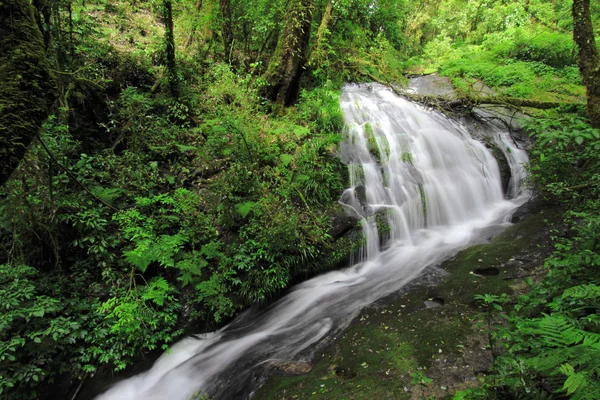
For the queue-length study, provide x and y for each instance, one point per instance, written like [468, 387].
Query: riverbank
[430, 339]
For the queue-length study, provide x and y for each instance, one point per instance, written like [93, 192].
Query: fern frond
[582, 292]
[574, 380]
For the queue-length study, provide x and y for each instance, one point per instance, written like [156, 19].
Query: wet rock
[361, 195]
[505, 118]
[503, 166]
[489, 271]
[292, 367]
[342, 224]
[524, 211]
[434, 302]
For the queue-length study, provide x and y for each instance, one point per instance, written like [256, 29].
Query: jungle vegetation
[166, 163]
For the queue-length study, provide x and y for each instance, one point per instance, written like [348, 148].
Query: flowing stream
[423, 188]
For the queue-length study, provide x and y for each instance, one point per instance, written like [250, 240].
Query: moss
[383, 226]
[26, 86]
[286, 66]
[372, 142]
[380, 353]
[423, 203]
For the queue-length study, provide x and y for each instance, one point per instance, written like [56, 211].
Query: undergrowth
[549, 344]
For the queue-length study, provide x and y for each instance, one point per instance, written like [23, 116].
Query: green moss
[423, 203]
[26, 86]
[372, 142]
[386, 345]
[383, 226]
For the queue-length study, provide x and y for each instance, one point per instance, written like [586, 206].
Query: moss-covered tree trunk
[226, 28]
[287, 64]
[320, 52]
[170, 47]
[25, 85]
[589, 64]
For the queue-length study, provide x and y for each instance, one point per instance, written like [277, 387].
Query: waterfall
[423, 188]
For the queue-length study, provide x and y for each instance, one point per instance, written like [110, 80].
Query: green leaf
[286, 159]
[579, 140]
[245, 208]
[139, 259]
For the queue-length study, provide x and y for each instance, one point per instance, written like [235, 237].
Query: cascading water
[423, 188]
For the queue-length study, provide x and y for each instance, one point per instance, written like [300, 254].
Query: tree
[589, 64]
[227, 30]
[170, 47]
[26, 86]
[287, 64]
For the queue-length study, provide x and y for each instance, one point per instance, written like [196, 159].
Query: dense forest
[166, 164]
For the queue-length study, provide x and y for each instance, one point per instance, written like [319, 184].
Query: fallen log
[470, 102]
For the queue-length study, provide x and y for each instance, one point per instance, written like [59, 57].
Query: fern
[566, 351]
[582, 292]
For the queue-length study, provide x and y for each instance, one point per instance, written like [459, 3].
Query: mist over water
[423, 188]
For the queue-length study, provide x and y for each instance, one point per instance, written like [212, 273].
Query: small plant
[419, 378]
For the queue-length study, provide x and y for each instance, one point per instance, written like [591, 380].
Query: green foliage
[555, 49]
[419, 377]
[527, 79]
[551, 341]
[208, 204]
[565, 160]
[31, 339]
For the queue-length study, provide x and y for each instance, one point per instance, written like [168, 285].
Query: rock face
[505, 118]
[527, 209]
[503, 166]
[484, 123]
[342, 224]
[432, 85]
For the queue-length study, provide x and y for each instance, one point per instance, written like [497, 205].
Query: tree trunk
[26, 87]
[170, 47]
[320, 52]
[43, 15]
[589, 65]
[287, 64]
[226, 28]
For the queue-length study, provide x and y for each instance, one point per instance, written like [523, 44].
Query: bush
[551, 48]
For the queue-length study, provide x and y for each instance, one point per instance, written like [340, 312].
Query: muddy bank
[427, 340]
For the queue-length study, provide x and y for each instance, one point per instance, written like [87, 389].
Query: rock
[342, 224]
[505, 117]
[434, 302]
[292, 367]
[356, 199]
[361, 195]
[489, 271]
[525, 210]
[432, 85]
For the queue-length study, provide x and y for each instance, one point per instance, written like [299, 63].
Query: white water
[437, 188]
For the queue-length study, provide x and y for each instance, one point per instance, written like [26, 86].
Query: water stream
[423, 188]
